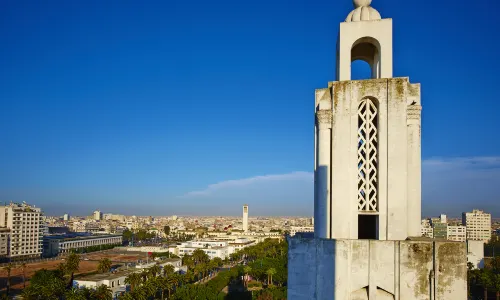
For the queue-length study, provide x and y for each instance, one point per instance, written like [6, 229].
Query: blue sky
[196, 107]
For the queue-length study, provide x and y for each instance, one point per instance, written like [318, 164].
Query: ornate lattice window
[367, 155]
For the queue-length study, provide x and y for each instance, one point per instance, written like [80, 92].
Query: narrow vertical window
[367, 155]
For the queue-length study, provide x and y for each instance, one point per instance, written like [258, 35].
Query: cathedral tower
[368, 165]
[367, 185]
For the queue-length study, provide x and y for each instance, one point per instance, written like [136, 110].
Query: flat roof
[108, 275]
[76, 238]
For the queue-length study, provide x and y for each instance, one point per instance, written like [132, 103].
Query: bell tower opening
[360, 70]
[367, 50]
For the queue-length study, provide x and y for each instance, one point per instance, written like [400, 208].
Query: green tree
[127, 235]
[154, 270]
[168, 270]
[199, 256]
[23, 270]
[104, 265]
[47, 285]
[134, 280]
[8, 269]
[71, 266]
[74, 294]
[32, 294]
[188, 261]
[270, 273]
[496, 285]
[166, 229]
[247, 270]
[102, 292]
[172, 282]
[161, 282]
[485, 280]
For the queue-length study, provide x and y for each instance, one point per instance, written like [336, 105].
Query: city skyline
[106, 108]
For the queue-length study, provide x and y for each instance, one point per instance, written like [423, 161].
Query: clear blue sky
[174, 107]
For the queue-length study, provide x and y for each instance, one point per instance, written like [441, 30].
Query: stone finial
[363, 12]
[360, 3]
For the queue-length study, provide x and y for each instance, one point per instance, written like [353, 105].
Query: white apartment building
[4, 242]
[295, 229]
[426, 228]
[113, 217]
[115, 281]
[66, 217]
[457, 233]
[24, 222]
[238, 244]
[211, 248]
[97, 215]
[478, 225]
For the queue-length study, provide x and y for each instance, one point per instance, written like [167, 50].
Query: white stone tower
[245, 217]
[367, 183]
[367, 149]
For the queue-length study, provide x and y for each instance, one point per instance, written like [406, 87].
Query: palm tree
[161, 282]
[8, 268]
[496, 285]
[139, 294]
[145, 275]
[246, 269]
[172, 282]
[188, 261]
[155, 270]
[169, 287]
[33, 294]
[134, 279]
[168, 270]
[485, 279]
[150, 287]
[74, 294]
[270, 274]
[102, 292]
[127, 296]
[23, 268]
[104, 265]
[72, 265]
[200, 257]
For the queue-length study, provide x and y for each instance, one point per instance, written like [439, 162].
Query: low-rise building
[60, 244]
[238, 244]
[439, 229]
[147, 249]
[426, 228]
[114, 280]
[295, 229]
[211, 248]
[457, 233]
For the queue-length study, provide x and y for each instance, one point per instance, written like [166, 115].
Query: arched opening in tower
[360, 70]
[365, 59]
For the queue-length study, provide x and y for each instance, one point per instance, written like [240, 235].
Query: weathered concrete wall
[376, 270]
[475, 253]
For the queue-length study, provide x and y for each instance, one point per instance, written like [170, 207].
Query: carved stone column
[322, 207]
